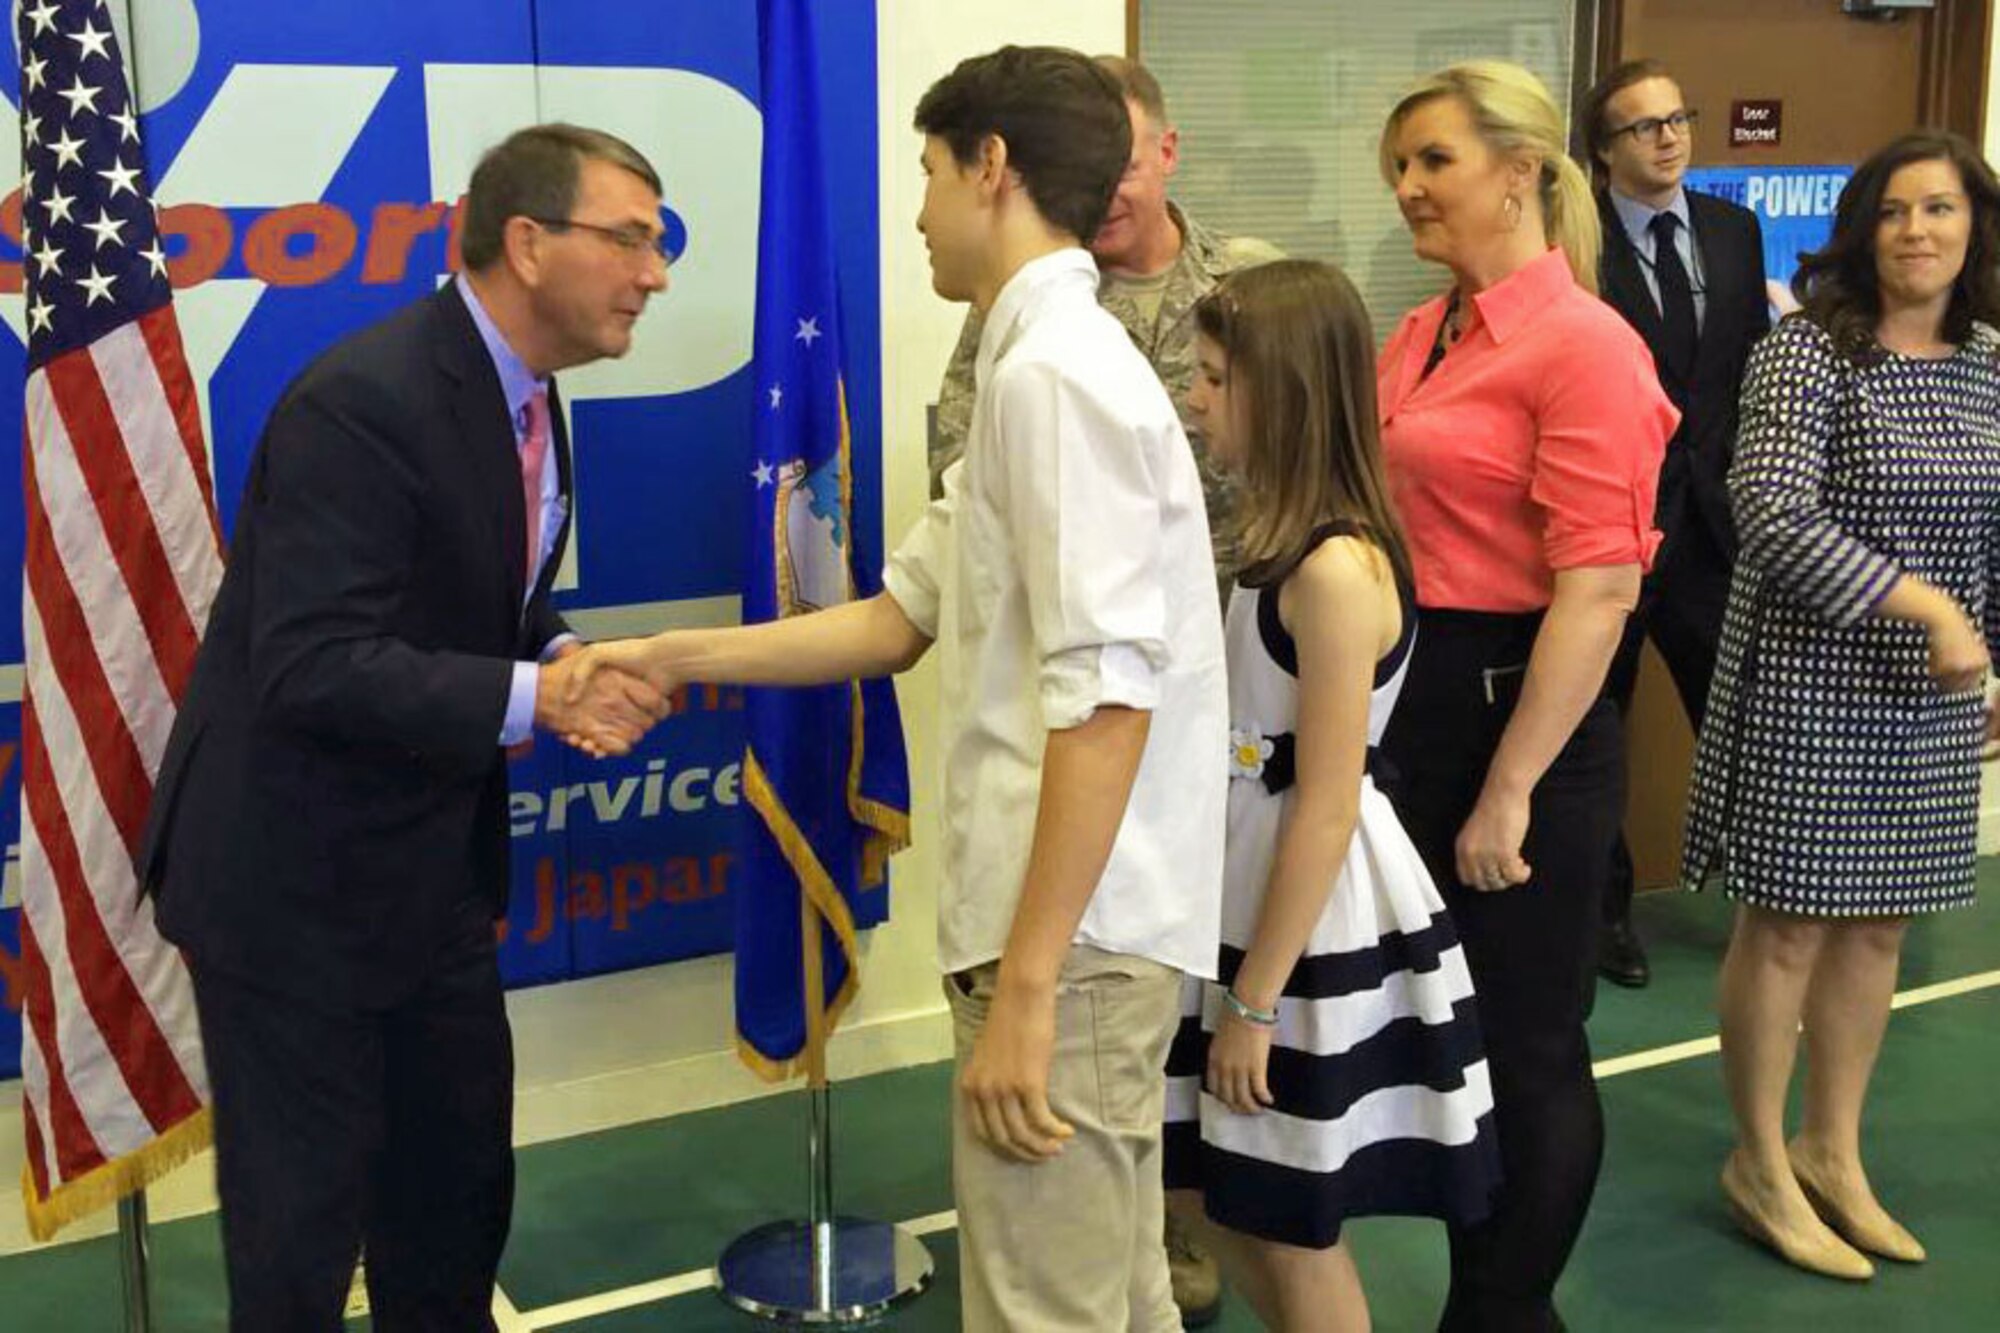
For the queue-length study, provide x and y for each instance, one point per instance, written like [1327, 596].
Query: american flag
[123, 559]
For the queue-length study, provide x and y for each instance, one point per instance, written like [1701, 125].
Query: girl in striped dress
[1335, 1069]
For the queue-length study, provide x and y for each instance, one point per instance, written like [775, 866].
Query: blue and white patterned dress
[1383, 1101]
[1833, 777]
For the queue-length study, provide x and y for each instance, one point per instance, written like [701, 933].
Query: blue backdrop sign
[307, 159]
[1794, 206]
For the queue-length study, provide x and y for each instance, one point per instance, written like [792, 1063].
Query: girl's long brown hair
[1302, 359]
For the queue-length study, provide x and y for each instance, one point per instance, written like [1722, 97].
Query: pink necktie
[534, 456]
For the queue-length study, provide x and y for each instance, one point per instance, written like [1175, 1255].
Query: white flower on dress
[1249, 748]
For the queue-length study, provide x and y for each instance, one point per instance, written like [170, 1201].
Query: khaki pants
[1073, 1243]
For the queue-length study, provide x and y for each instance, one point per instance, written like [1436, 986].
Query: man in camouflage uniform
[1154, 264]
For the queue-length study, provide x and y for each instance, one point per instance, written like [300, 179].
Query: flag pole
[819, 1127]
[828, 1269]
[132, 1262]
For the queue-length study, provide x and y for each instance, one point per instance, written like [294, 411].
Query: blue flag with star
[825, 769]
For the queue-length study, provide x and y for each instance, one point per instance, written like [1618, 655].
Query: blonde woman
[1522, 428]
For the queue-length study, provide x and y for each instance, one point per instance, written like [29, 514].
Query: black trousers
[1531, 949]
[1680, 609]
[389, 1128]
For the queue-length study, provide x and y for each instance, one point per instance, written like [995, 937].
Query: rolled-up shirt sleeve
[915, 574]
[1601, 435]
[1776, 484]
[1083, 510]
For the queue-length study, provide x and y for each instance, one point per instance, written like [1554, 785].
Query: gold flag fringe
[107, 1184]
[819, 889]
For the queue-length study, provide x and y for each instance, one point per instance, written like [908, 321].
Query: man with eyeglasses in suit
[1687, 271]
[328, 838]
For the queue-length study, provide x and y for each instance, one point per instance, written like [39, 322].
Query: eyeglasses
[1649, 127]
[635, 242]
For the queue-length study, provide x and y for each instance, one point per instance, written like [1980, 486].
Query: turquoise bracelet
[1249, 1013]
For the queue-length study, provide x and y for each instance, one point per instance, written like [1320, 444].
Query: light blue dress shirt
[1638, 222]
[519, 384]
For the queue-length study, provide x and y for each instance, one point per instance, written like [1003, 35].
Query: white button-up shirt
[1067, 567]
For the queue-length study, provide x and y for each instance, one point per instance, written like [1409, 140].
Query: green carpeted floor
[608, 1211]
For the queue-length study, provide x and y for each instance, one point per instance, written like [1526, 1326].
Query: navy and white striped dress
[1383, 1100]
[1833, 778]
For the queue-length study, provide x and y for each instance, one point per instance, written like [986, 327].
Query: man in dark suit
[1687, 271]
[328, 838]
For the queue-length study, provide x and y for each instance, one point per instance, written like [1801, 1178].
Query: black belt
[1281, 767]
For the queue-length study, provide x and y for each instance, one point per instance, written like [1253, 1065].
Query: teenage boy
[1067, 580]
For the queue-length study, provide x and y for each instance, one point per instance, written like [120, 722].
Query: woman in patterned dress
[1837, 777]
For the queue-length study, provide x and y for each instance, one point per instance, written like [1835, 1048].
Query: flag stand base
[843, 1271]
[826, 1269]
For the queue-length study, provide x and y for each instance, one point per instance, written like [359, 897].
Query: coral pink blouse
[1533, 446]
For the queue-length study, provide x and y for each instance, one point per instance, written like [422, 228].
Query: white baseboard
[718, 1078]
[541, 1112]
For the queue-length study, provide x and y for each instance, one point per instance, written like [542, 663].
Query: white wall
[1992, 100]
[619, 1049]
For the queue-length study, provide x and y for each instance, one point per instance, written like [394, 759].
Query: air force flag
[825, 768]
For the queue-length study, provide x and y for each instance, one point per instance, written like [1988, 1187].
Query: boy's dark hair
[1838, 285]
[1061, 115]
[533, 173]
[1597, 104]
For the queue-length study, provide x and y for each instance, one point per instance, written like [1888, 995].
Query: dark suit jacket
[1735, 315]
[332, 802]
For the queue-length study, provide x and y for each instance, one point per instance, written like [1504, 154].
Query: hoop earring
[1510, 213]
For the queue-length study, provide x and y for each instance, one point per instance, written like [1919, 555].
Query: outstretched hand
[595, 705]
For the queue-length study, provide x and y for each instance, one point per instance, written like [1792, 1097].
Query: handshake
[604, 697]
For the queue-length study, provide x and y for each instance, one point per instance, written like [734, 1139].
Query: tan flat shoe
[1882, 1235]
[1826, 1254]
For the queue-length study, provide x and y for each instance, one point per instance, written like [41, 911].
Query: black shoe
[1621, 959]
